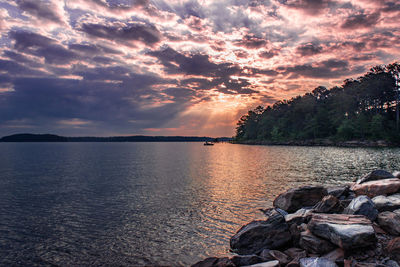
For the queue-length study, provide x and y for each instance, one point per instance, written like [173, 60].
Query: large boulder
[362, 205]
[329, 204]
[258, 235]
[345, 231]
[374, 176]
[390, 222]
[313, 244]
[393, 248]
[376, 188]
[297, 198]
[387, 203]
[316, 262]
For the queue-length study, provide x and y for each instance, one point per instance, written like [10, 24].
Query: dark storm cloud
[40, 9]
[196, 64]
[25, 39]
[13, 68]
[269, 53]
[311, 7]
[92, 49]
[41, 46]
[391, 6]
[145, 33]
[309, 49]
[326, 69]
[50, 100]
[251, 41]
[360, 21]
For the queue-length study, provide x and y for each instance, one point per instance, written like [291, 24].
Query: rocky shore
[321, 142]
[313, 226]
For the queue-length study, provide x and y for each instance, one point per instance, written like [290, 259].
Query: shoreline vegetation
[355, 225]
[360, 112]
[135, 138]
[321, 142]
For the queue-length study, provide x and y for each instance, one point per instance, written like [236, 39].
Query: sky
[177, 67]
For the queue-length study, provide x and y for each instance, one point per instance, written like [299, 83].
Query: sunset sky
[154, 67]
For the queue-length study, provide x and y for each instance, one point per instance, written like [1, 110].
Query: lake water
[151, 203]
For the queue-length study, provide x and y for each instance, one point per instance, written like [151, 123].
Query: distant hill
[135, 138]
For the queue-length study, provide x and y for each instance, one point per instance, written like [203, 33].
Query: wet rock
[345, 231]
[396, 174]
[336, 255]
[258, 235]
[296, 253]
[266, 264]
[387, 203]
[303, 215]
[338, 191]
[313, 244]
[376, 188]
[329, 204]
[374, 176]
[280, 256]
[397, 211]
[246, 260]
[362, 205]
[273, 211]
[391, 263]
[316, 262]
[215, 262]
[393, 248]
[390, 222]
[297, 198]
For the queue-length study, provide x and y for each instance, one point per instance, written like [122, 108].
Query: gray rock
[345, 231]
[313, 244]
[387, 203]
[377, 188]
[329, 204]
[273, 211]
[362, 205]
[258, 235]
[246, 260]
[390, 222]
[373, 176]
[316, 262]
[266, 264]
[391, 263]
[336, 255]
[303, 215]
[296, 253]
[393, 248]
[338, 191]
[280, 256]
[397, 211]
[297, 198]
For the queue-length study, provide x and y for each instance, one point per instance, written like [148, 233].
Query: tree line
[366, 108]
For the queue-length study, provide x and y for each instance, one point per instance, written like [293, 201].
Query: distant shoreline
[20, 138]
[323, 142]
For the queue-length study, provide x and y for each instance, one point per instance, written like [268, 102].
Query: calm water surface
[150, 203]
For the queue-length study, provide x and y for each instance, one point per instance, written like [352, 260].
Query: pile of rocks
[353, 225]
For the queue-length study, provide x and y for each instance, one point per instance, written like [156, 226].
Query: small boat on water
[208, 144]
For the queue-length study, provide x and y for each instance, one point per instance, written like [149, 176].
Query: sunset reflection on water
[151, 203]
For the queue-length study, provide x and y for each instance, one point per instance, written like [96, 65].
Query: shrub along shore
[313, 226]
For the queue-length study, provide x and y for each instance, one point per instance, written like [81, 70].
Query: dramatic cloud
[109, 67]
